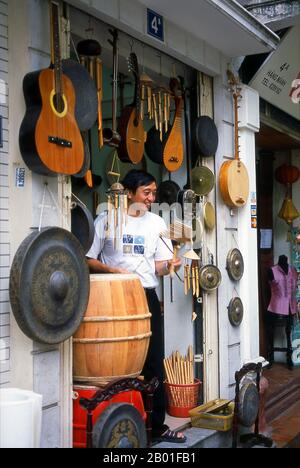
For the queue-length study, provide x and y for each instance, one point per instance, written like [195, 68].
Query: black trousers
[154, 362]
[273, 321]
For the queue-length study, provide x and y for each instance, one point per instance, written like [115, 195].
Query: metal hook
[131, 44]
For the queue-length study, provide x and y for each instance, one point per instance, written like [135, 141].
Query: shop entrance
[275, 236]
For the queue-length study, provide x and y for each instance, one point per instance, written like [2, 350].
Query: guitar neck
[236, 127]
[137, 101]
[178, 114]
[55, 48]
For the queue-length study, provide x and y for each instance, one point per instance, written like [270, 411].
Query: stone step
[199, 438]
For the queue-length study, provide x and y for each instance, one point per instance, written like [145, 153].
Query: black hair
[135, 179]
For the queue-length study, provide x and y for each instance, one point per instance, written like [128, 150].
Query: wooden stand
[119, 386]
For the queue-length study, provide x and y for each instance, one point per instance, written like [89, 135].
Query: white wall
[4, 203]
[34, 366]
[241, 344]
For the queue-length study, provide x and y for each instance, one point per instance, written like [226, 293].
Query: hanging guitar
[50, 140]
[131, 126]
[234, 178]
[173, 151]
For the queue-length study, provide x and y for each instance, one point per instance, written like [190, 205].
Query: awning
[224, 24]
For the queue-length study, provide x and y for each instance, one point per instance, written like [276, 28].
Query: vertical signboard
[296, 329]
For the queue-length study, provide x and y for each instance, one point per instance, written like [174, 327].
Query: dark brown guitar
[131, 126]
[50, 140]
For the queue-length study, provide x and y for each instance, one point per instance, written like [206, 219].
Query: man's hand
[175, 264]
[120, 271]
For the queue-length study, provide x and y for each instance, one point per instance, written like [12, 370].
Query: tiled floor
[283, 405]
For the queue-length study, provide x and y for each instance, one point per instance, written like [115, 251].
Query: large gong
[235, 312]
[235, 264]
[49, 285]
[210, 278]
[120, 426]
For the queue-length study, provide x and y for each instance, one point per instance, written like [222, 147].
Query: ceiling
[235, 32]
[272, 140]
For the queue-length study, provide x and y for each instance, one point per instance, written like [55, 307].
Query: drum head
[120, 426]
[86, 110]
[82, 226]
[49, 285]
[205, 136]
[167, 192]
[203, 180]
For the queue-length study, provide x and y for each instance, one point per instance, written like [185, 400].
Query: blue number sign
[155, 25]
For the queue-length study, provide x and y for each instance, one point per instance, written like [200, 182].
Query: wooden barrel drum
[113, 339]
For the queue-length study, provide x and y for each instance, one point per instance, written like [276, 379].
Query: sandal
[171, 436]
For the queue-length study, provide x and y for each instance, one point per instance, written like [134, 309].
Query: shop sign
[155, 25]
[20, 177]
[275, 79]
[253, 210]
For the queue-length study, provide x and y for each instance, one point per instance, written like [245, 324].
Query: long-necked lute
[234, 178]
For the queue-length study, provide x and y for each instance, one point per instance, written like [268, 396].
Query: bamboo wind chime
[117, 202]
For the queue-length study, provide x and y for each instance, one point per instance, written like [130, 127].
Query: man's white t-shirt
[137, 249]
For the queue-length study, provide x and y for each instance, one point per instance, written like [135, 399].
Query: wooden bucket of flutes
[181, 387]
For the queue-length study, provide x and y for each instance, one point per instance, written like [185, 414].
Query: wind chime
[288, 175]
[117, 208]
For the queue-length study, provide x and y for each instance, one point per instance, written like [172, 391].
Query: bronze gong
[203, 180]
[209, 216]
[49, 285]
[235, 265]
[248, 404]
[235, 312]
[210, 278]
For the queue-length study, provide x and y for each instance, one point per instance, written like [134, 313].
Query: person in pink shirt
[282, 306]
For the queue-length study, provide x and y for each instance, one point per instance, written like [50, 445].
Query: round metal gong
[210, 278]
[82, 225]
[236, 312]
[235, 264]
[120, 426]
[203, 180]
[209, 216]
[49, 285]
[248, 404]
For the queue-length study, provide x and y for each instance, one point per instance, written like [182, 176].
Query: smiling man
[141, 251]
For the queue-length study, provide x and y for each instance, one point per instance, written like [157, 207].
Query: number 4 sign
[155, 25]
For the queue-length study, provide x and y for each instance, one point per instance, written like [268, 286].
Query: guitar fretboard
[56, 53]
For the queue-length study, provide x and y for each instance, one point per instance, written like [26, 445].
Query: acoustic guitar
[50, 140]
[234, 178]
[131, 126]
[173, 151]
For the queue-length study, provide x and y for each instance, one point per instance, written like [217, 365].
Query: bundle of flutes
[179, 372]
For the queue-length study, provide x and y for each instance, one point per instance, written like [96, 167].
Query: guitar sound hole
[59, 103]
